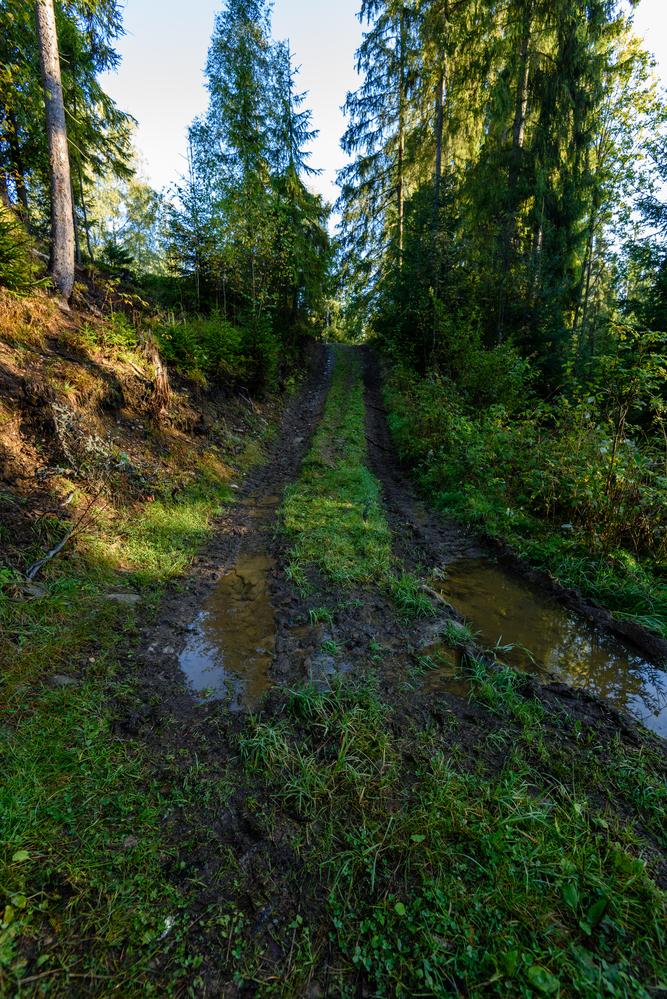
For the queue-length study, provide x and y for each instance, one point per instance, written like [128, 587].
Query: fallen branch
[35, 569]
[376, 444]
[137, 370]
[434, 595]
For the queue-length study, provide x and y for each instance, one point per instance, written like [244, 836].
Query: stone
[130, 599]
[60, 680]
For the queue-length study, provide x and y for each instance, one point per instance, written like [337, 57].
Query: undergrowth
[86, 894]
[444, 880]
[544, 481]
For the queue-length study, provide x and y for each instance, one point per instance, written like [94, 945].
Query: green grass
[86, 896]
[83, 865]
[441, 880]
[333, 514]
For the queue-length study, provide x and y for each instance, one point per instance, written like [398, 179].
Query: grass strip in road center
[333, 514]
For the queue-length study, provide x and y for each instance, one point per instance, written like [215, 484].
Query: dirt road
[241, 634]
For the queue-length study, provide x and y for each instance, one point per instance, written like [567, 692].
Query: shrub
[17, 271]
[210, 348]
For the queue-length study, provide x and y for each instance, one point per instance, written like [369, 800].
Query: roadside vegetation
[440, 878]
[572, 486]
[400, 824]
[83, 868]
[514, 276]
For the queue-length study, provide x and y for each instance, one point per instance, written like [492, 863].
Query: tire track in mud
[226, 857]
[247, 525]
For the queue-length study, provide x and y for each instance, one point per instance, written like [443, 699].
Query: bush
[206, 348]
[17, 270]
[217, 350]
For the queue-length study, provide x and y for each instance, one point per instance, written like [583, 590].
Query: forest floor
[352, 796]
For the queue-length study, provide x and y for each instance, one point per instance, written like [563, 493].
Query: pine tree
[374, 187]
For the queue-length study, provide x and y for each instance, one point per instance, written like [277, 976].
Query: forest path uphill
[360, 795]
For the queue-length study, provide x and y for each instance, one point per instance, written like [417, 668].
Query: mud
[554, 632]
[228, 624]
[535, 633]
[230, 651]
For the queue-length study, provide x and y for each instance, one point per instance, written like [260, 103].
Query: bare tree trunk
[77, 236]
[4, 191]
[439, 124]
[18, 164]
[84, 212]
[62, 215]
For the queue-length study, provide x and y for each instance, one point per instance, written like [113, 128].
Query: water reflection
[548, 639]
[231, 647]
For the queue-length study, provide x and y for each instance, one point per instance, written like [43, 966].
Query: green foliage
[17, 271]
[214, 349]
[204, 347]
[565, 483]
[98, 132]
[72, 800]
[247, 237]
[84, 854]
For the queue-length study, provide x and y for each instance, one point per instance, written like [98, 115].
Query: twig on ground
[378, 445]
[35, 569]
[434, 595]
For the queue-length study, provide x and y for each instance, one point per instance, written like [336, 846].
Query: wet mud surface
[239, 635]
[535, 633]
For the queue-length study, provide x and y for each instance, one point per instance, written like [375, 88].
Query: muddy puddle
[232, 641]
[538, 635]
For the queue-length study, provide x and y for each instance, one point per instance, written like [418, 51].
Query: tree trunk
[62, 215]
[4, 190]
[84, 212]
[18, 164]
[439, 124]
[77, 235]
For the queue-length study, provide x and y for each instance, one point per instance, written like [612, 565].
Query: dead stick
[378, 445]
[35, 569]
[436, 596]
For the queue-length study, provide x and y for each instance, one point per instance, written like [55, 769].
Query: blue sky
[161, 78]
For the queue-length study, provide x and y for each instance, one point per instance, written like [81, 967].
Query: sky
[161, 80]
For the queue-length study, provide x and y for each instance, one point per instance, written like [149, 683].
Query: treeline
[242, 244]
[505, 239]
[248, 236]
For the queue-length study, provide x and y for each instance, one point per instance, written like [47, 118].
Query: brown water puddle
[232, 644]
[543, 637]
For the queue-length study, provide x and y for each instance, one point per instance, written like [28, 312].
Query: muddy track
[424, 537]
[248, 524]
[224, 856]
[422, 540]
